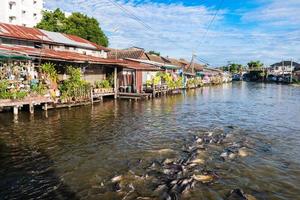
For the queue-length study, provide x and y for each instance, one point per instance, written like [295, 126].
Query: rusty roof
[59, 55]
[140, 66]
[43, 36]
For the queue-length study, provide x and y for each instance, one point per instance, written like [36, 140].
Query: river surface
[118, 149]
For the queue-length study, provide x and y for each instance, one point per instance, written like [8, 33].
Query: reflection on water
[75, 153]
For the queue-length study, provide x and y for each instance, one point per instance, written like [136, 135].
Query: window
[23, 11]
[12, 19]
[38, 45]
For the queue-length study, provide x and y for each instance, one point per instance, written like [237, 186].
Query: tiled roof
[126, 53]
[156, 58]
[34, 34]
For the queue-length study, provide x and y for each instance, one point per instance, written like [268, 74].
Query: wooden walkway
[31, 101]
[134, 96]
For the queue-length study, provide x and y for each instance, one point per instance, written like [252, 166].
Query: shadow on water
[29, 175]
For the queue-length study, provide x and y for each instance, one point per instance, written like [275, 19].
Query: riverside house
[139, 71]
[64, 50]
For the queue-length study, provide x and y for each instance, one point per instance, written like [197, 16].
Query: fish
[165, 151]
[231, 156]
[198, 161]
[243, 152]
[203, 178]
[117, 179]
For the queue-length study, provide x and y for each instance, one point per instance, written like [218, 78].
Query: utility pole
[291, 81]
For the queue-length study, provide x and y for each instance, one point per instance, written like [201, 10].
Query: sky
[216, 31]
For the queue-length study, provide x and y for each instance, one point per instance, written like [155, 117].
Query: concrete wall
[23, 12]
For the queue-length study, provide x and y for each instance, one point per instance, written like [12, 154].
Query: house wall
[95, 73]
[139, 81]
[148, 76]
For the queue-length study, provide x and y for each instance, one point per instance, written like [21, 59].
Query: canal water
[132, 150]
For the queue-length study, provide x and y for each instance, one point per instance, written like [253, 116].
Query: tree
[235, 68]
[87, 28]
[76, 24]
[154, 53]
[53, 21]
[255, 65]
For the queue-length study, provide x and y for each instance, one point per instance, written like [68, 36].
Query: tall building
[21, 12]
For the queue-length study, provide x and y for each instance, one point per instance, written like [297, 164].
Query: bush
[50, 71]
[39, 89]
[74, 87]
[103, 84]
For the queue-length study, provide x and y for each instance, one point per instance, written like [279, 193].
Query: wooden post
[153, 90]
[45, 106]
[115, 82]
[15, 110]
[31, 108]
[92, 96]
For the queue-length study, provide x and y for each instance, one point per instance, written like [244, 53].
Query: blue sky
[243, 30]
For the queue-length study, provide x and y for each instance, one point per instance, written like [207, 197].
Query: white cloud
[186, 25]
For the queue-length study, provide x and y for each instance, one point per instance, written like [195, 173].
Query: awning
[170, 67]
[6, 55]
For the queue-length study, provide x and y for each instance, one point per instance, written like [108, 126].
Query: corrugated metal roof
[34, 34]
[62, 39]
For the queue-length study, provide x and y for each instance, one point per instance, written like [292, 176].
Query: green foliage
[179, 82]
[111, 80]
[103, 84]
[39, 89]
[75, 86]
[235, 68]
[76, 24]
[14, 94]
[255, 65]
[154, 53]
[3, 90]
[167, 78]
[53, 21]
[18, 95]
[49, 70]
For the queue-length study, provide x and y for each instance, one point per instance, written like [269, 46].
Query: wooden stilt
[92, 96]
[15, 110]
[115, 82]
[31, 108]
[45, 106]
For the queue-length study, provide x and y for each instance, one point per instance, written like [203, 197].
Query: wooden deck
[31, 101]
[26, 101]
[134, 96]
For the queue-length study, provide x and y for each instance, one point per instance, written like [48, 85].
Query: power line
[212, 20]
[130, 14]
[149, 28]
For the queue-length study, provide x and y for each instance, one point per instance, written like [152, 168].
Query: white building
[21, 12]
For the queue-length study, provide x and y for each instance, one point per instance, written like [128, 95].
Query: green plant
[49, 70]
[18, 95]
[75, 86]
[39, 89]
[111, 79]
[103, 84]
[4, 94]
